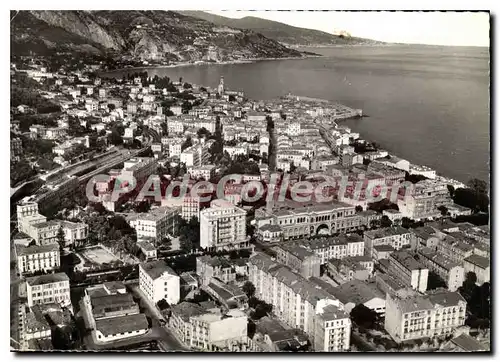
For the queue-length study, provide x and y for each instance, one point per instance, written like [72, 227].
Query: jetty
[338, 112]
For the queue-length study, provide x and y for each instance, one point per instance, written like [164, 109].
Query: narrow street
[165, 338]
[14, 303]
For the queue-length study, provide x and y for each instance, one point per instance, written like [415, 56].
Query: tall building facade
[300, 303]
[223, 226]
[413, 315]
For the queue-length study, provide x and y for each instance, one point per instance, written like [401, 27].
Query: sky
[435, 28]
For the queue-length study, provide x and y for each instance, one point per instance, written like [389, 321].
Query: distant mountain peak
[283, 33]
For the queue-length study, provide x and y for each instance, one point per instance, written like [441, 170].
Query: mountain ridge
[156, 36]
[283, 33]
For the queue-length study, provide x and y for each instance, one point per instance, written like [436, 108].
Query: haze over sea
[427, 104]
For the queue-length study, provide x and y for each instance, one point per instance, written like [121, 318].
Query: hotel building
[298, 302]
[223, 226]
[413, 315]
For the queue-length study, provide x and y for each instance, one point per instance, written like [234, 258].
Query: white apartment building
[44, 232]
[299, 259]
[190, 207]
[156, 148]
[48, 288]
[174, 149]
[451, 272]
[156, 224]
[140, 167]
[454, 249]
[423, 201]
[129, 132]
[35, 326]
[148, 249]
[235, 150]
[37, 258]
[412, 273]
[191, 156]
[25, 224]
[333, 330]
[74, 231]
[26, 208]
[293, 129]
[175, 126]
[206, 172]
[208, 330]
[296, 301]
[412, 315]
[158, 281]
[336, 247]
[223, 226]
[397, 237]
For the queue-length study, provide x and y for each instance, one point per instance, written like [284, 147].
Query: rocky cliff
[140, 35]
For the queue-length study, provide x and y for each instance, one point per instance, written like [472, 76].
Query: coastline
[337, 120]
[204, 62]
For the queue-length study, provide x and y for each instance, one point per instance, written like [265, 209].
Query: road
[360, 343]
[166, 338]
[14, 304]
[125, 155]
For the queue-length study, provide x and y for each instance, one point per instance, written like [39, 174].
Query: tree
[217, 148]
[20, 172]
[187, 143]
[162, 304]
[203, 132]
[443, 209]
[189, 233]
[406, 222]
[385, 222]
[270, 124]
[364, 316]
[249, 289]
[468, 286]
[142, 206]
[451, 190]
[262, 308]
[382, 205]
[478, 298]
[472, 199]
[478, 185]
[358, 208]
[414, 178]
[61, 239]
[186, 106]
[374, 223]
[115, 138]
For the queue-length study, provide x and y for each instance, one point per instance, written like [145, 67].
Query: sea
[427, 104]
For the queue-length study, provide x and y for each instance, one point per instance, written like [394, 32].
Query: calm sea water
[429, 105]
